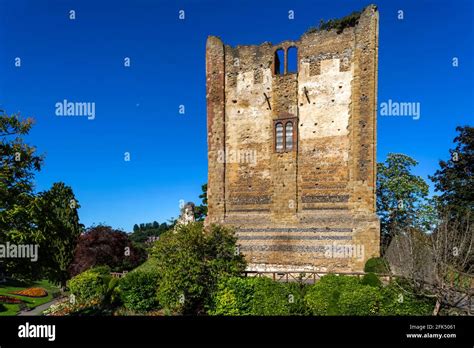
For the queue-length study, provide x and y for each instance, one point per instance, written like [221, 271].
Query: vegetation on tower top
[339, 24]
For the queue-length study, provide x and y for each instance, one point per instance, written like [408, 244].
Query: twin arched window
[285, 61]
[284, 136]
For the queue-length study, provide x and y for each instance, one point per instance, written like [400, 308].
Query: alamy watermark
[394, 108]
[67, 108]
[21, 251]
[344, 251]
[28, 330]
[237, 156]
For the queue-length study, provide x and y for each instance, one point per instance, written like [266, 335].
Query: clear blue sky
[137, 107]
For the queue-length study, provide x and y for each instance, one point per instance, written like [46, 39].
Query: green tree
[19, 161]
[18, 164]
[454, 180]
[190, 262]
[200, 211]
[58, 222]
[401, 197]
[104, 246]
[141, 233]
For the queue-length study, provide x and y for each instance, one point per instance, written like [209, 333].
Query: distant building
[152, 239]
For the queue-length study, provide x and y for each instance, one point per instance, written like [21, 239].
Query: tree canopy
[401, 196]
[56, 218]
[454, 179]
[48, 220]
[104, 246]
[190, 262]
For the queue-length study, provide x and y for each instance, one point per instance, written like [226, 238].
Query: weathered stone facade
[292, 155]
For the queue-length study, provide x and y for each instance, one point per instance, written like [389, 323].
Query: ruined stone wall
[290, 208]
[248, 129]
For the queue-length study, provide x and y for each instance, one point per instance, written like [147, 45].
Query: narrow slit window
[279, 62]
[289, 136]
[279, 137]
[292, 60]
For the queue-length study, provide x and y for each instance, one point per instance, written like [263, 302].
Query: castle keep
[291, 150]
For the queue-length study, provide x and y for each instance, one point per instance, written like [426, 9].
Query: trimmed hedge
[371, 279]
[296, 295]
[138, 290]
[377, 265]
[362, 300]
[332, 295]
[398, 299]
[322, 298]
[270, 298]
[258, 296]
[90, 287]
[113, 292]
[234, 296]
[345, 295]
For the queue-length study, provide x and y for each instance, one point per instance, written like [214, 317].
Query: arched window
[279, 136]
[289, 136]
[285, 134]
[279, 60]
[292, 60]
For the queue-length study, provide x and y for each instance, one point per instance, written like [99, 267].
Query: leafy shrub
[257, 296]
[343, 295]
[322, 298]
[296, 293]
[113, 292]
[103, 270]
[227, 304]
[331, 295]
[371, 279]
[2, 308]
[270, 298]
[376, 265]
[234, 296]
[138, 290]
[90, 287]
[342, 23]
[400, 299]
[361, 300]
[190, 262]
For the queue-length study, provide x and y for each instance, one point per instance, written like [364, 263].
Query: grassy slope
[148, 265]
[30, 302]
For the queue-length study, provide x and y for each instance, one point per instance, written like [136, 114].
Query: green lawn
[148, 265]
[30, 302]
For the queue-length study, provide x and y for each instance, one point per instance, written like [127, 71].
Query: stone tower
[291, 154]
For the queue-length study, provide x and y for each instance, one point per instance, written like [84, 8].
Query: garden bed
[31, 292]
[9, 299]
